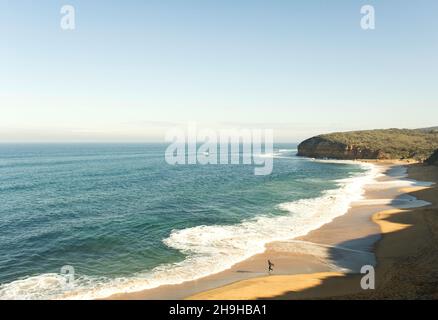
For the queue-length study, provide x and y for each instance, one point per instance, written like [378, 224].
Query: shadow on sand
[407, 259]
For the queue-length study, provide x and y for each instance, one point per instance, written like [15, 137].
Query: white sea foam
[209, 249]
[279, 154]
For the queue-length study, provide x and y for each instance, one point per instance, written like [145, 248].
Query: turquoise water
[118, 213]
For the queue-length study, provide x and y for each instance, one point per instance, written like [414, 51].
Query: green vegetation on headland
[417, 144]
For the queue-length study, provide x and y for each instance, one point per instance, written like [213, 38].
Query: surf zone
[190, 146]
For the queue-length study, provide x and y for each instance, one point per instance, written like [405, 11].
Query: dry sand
[407, 254]
[308, 267]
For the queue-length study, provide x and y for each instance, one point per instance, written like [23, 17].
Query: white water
[210, 249]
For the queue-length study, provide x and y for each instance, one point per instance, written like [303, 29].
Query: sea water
[125, 220]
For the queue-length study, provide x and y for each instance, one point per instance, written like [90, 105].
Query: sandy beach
[326, 262]
[406, 253]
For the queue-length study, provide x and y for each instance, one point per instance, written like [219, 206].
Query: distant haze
[133, 69]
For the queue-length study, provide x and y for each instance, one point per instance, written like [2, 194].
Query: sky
[132, 69]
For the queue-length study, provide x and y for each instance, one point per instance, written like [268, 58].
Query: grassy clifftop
[416, 144]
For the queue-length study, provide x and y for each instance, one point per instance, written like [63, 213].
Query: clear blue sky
[132, 68]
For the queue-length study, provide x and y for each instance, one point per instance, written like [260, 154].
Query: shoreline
[288, 262]
[404, 234]
[290, 256]
[307, 255]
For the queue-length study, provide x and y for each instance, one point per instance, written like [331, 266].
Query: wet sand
[338, 248]
[407, 256]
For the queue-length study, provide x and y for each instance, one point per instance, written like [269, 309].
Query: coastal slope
[407, 259]
[433, 159]
[382, 144]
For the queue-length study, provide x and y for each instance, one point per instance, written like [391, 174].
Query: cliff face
[417, 144]
[318, 147]
[433, 159]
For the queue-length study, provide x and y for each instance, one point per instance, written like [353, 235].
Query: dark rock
[433, 159]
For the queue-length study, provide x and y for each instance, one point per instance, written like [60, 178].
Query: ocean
[125, 220]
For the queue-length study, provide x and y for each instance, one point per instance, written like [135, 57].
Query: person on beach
[270, 265]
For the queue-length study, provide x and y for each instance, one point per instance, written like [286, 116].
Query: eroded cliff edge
[418, 144]
[433, 159]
